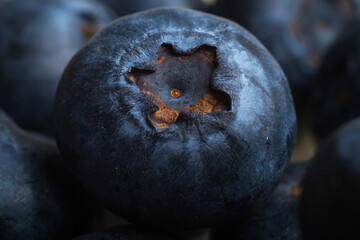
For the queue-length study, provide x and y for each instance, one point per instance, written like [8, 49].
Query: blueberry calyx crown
[181, 82]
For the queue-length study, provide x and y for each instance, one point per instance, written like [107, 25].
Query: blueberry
[126, 233]
[37, 39]
[278, 218]
[298, 33]
[39, 199]
[330, 200]
[336, 91]
[175, 118]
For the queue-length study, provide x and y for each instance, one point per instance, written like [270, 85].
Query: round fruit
[336, 91]
[176, 118]
[330, 200]
[39, 199]
[37, 39]
[298, 33]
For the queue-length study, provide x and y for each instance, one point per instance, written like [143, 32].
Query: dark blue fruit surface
[298, 33]
[176, 118]
[126, 233]
[37, 39]
[330, 200]
[39, 199]
[335, 94]
[278, 218]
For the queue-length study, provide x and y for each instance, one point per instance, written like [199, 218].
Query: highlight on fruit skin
[207, 157]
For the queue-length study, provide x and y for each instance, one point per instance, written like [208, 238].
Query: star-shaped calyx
[181, 82]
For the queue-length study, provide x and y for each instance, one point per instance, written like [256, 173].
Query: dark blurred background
[316, 42]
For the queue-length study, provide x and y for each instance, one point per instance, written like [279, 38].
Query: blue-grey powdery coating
[39, 199]
[201, 171]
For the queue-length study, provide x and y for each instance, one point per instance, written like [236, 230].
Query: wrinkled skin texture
[278, 218]
[126, 233]
[336, 91]
[330, 200]
[205, 169]
[298, 33]
[37, 39]
[39, 199]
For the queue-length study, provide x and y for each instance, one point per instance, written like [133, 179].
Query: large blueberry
[297, 33]
[39, 199]
[278, 218]
[335, 95]
[330, 201]
[37, 39]
[176, 118]
[126, 233]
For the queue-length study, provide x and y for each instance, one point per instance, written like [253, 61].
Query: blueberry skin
[297, 33]
[278, 218]
[336, 89]
[37, 39]
[203, 170]
[126, 233]
[39, 199]
[330, 200]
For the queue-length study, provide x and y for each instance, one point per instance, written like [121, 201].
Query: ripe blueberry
[298, 33]
[176, 118]
[39, 199]
[37, 39]
[336, 91]
[330, 200]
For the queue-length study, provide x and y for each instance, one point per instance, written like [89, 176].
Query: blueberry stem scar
[175, 93]
[181, 82]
